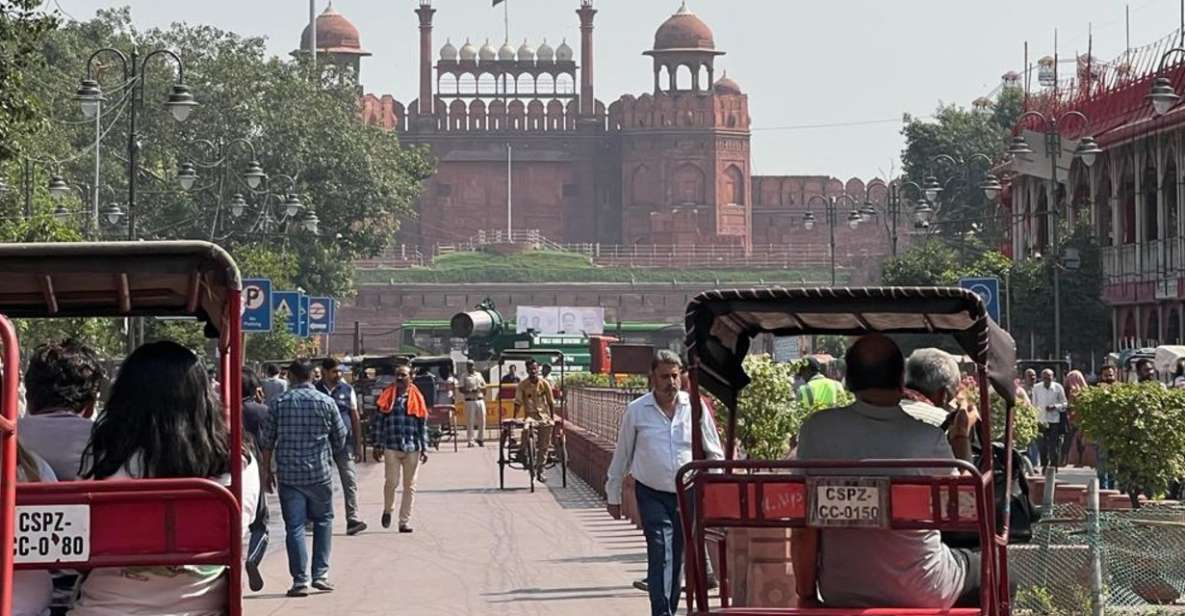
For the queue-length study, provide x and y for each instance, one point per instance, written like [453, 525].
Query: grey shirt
[59, 437]
[273, 387]
[881, 568]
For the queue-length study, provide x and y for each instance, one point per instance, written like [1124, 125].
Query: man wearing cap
[473, 387]
[817, 391]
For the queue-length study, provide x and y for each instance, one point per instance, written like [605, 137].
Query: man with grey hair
[653, 443]
[931, 391]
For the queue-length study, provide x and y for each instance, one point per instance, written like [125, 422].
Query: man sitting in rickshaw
[879, 568]
[537, 401]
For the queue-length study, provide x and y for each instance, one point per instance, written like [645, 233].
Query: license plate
[52, 534]
[848, 502]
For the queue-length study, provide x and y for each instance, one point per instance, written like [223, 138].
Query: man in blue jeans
[305, 433]
[654, 442]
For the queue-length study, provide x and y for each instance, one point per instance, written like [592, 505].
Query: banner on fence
[560, 320]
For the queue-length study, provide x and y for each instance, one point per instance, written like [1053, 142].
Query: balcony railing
[1150, 260]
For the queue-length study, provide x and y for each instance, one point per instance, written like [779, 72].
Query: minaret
[588, 103]
[426, 99]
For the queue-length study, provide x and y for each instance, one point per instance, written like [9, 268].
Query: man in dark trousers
[254, 417]
[335, 387]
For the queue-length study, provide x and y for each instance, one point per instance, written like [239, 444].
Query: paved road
[475, 550]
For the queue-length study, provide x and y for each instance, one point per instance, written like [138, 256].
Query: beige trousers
[395, 463]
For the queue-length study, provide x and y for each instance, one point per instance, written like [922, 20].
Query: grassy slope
[548, 266]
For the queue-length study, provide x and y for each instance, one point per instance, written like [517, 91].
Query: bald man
[857, 568]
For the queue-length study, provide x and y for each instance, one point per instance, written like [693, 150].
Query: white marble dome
[468, 52]
[526, 53]
[506, 52]
[545, 53]
[448, 52]
[563, 53]
[487, 53]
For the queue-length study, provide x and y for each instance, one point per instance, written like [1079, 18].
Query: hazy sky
[852, 66]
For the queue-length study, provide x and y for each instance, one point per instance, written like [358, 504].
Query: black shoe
[386, 520]
[298, 590]
[540, 477]
[405, 528]
[254, 579]
[642, 585]
[355, 527]
[323, 585]
[481, 443]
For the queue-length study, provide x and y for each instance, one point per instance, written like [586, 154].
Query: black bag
[1022, 514]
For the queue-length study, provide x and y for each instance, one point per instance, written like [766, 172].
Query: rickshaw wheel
[529, 457]
[502, 459]
[563, 461]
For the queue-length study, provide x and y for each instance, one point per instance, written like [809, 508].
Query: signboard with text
[257, 305]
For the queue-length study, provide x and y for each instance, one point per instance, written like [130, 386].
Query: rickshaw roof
[118, 279]
[721, 323]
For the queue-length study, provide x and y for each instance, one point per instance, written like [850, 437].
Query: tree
[23, 25]
[359, 180]
[961, 134]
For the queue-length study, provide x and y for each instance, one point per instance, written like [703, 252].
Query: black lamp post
[180, 103]
[1086, 151]
[250, 177]
[829, 210]
[892, 208]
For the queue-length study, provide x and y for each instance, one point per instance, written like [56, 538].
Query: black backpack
[1022, 514]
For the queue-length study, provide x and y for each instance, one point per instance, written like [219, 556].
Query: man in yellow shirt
[534, 396]
[818, 391]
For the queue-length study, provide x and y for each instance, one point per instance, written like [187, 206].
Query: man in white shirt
[273, 386]
[653, 444]
[1050, 400]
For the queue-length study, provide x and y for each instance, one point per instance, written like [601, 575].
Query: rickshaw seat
[146, 522]
[774, 495]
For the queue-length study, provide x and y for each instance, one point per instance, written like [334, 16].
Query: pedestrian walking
[473, 388]
[333, 385]
[653, 443]
[254, 417]
[400, 441]
[304, 432]
[274, 385]
[1050, 399]
[1072, 439]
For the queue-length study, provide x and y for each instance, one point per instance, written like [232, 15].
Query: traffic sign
[304, 316]
[988, 290]
[257, 305]
[288, 302]
[320, 315]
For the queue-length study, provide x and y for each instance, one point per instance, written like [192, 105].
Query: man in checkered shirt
[304, 431]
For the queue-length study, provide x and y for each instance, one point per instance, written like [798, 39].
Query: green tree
[961, 134]
[23, 26]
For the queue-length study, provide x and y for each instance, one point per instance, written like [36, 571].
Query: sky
[828, 80]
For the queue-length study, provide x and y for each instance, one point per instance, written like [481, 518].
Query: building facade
[1131, 196]
[522, 142]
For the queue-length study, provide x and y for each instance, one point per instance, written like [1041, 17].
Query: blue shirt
[399, 431]
[305, 431]
[343, 395]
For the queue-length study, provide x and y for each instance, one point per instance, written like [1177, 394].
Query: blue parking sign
[257, 305]
[320, 315]
[288, 302]
[988, 290]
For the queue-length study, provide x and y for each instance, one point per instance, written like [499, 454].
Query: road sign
[988, 290]
[289, 303]
[257, 305]
[320, 315]
[332, 316]
[304, 316]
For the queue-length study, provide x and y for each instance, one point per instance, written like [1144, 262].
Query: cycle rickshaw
[718, 495]
[121, 523]
[519, 453]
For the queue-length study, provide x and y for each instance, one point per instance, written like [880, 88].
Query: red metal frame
[995, 599]
[8, 417]
[146, 522]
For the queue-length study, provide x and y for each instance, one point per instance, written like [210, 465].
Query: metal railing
[598, 411]
[1149, 260]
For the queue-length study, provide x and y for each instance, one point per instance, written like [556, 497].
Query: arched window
[447, 85]
[1169, 195]
[705, 78]
[545, 84]
[487, 83]
[734, 186]
[467, 85]
[526, 85]
[565, 84]
[687, 185]
[683, 78]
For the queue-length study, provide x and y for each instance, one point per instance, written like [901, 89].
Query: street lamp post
[892, 208]
[829, 209]
[180, 103]
[1086, 151]
[251, 176]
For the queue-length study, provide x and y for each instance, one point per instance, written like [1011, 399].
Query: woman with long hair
[1074, 385]
[162, 420]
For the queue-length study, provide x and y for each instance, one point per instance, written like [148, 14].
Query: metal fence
[598, 411]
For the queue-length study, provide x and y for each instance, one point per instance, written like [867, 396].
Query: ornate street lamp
[237, 205]
[58, 188]
[186, 175]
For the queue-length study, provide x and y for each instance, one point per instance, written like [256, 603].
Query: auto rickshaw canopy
[720, 325]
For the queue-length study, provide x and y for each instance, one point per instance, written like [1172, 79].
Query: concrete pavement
[476, 550]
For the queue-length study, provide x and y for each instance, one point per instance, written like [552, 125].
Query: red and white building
[1132, 194]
